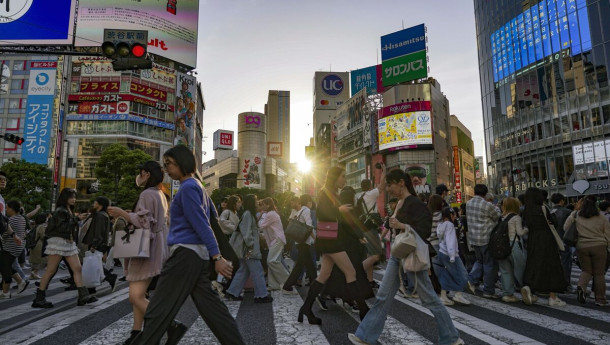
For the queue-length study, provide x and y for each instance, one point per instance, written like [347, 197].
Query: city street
[108, 321]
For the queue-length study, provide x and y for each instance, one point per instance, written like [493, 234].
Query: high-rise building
[277, 110]
[543, 68]
[463, 161]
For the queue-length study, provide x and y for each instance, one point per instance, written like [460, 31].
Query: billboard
[39, 112]
[403, 42]
[405, 68]
[404, 129]
[186, 93]
[591, 159]
[369, 78]
[252, 170]
[330, 90]
[30, 22]
[274, 149]
[420, 177]
[539, 32]
[223, 139]
[171, 25]
[350, 115]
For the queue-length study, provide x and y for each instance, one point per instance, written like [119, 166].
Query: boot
[40, 300]
[355, 294]
[314, 290]
[131, 338]
[175, 332]
[84, 297]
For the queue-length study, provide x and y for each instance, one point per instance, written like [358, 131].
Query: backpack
[499, 246]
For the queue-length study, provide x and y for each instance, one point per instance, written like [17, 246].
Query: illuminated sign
[100, 86]
[223, 140]
[405, 129]
[28, 22]
[403, 55]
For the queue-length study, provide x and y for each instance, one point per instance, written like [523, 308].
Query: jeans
[451, 275]
[486, 267]
[371, 327]
[247, 268]
[17, 268]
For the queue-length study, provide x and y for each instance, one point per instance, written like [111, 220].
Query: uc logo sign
[332, 85]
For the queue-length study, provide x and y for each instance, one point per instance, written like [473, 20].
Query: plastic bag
[93, 270]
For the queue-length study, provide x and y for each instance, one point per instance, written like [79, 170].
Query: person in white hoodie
[451, 274]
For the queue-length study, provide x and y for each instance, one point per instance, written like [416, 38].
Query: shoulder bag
[553, 231]
[571, 236]
[132, 243]
[298, 231]
[371, 220]
[419, 259]
[404, 243]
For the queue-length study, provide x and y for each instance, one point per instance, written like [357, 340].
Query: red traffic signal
[123, 50]
[13, 138]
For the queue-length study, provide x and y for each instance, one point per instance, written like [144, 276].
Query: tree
[117, 170]
[29, 183]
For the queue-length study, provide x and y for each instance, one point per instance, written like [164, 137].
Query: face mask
[140, 180]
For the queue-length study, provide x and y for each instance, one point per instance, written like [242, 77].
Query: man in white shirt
[301, 213]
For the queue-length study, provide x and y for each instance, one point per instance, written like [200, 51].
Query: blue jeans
[247, 268]
[371, 327]
[512, 269]
[451, 275]
[17, 268]
[484, 267]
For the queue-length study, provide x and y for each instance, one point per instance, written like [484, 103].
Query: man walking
[562, 213]
[482, 216]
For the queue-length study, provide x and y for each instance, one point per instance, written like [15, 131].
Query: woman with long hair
[271, 226]
[36, 259]
[228, 218]
[245, 242]
[591, 248]
[410, 211]
[150, 212]
[61, 234]
[332, 251]
[543, 270]
[512, 267]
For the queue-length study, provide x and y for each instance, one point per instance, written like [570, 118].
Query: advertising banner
[100, 86]
[39, 112]
[251, 171]
[121, 97]
[330, 89]
[274, 149]
[365, 78]
[405, 129]
[186, 93]
[121, 117]
[350, 115]
[93, 66]
[420, 177]
[591, 159]
[171, 25]
[99, 108]
[147, 91]
[30, 22]
[405, 107]
[405, 68]
[403, 42]
[223, 139]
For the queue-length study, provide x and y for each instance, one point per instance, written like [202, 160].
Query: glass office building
[545, 95]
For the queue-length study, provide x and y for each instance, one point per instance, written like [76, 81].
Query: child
[452, 274]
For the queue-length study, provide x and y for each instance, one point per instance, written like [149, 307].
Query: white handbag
[404, 243]
[419, 259]
[132, 243]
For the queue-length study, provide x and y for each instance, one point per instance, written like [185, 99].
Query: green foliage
[283, 203]
[117, 170]
[29, 183]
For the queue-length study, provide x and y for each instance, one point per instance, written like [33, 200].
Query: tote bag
[404, 243]
[297, 230]
[132, 243]
[419, 259]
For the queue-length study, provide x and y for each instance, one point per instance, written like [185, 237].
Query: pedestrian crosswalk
[485, 321]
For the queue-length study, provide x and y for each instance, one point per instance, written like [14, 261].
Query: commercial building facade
[463, 161]
[277, 111]
[546, 102]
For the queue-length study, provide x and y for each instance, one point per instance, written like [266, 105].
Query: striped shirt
[17, 223]
[437, 217]
[482, 216]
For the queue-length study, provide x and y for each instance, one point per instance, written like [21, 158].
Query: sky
[248, 47]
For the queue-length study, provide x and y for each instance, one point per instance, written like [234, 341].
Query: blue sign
[538, 32]
[364, 78]
[121, 117]
[403, 42]
[332, 85]
[36, 22]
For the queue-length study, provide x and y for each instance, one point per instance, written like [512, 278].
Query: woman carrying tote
[410, 211]
[512, 267]
[61, 233]
[151, 212]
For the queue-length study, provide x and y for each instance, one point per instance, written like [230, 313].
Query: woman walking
[61, 233]
[591, 248]
[271, 226]
[245, 242]
[150, 212]
[13, 244]
[192, 248]
[412, 212]
[511, 268]
[332, 251]
[543, 270]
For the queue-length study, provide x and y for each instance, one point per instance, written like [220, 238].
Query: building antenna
[377, 55]
[330, 67]
[403, 24]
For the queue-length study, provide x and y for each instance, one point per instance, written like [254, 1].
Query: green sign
[405, 68]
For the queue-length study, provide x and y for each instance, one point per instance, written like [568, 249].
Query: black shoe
[175, 332]
[131, 338]
[40, 300]
[122, 279]
[266, 299]
[111, 279]
[233, 298]
[311, 318]
[374, 284]
[70, 287]
[67, 280]
[321, 302]
[580, 295]
[37, 284]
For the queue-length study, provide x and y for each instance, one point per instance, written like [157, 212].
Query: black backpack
[499, 244]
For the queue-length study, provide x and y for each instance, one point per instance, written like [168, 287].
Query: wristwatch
[218, 258]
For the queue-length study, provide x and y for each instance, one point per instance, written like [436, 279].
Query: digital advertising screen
[404, 129]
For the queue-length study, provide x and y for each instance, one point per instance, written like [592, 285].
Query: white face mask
[141, 181]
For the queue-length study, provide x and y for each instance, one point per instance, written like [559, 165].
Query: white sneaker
[355, 340]
[526, 294]
[446, 300]
[5, 296]
[470, 288]
[556, 302]
[458, 342]
[290, 292]
[22, 286]
[510, 299]
[459, 298]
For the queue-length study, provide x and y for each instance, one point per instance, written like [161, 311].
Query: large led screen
[404, 129]
[542, 30]
[28, 22]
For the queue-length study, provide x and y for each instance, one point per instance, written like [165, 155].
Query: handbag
[132, 243]
[327, 230]
[570, 237]
[419, 259]
[371, 220]
[553, 231]
[404, 244]
[297, 230]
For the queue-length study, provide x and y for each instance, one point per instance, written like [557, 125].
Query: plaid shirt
[482, 216]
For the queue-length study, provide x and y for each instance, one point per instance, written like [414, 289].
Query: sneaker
[602, 304]
[526, 294]
[266, 299]
[510, 299]
[292, 291]
[446, 300]
[355, 340]
[321, 302]
[22, 286]
[470, 288]
[67, 280]
[111, 279]
[580, 295]
[5, 295]
[458, 342]
[34, 276]
[459, 298]
[556, 302]
[491, 296]
[233, 298]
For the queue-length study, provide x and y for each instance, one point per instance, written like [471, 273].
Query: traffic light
[12, 138]
[127, 49]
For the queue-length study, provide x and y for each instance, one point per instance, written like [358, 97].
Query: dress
[151, 210]
[543, 271]
[328, 211]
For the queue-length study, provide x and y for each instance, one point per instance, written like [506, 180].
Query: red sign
[43, 64]
[274, 149]
[407, 107]
[100, 86]
[458, 197]
[100, 108]
[456, 167]
[148, 91]
[121, 97]
[226, 139]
